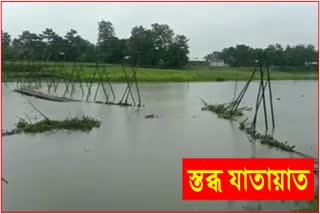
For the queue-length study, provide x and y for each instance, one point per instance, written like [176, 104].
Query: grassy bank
[153, 74]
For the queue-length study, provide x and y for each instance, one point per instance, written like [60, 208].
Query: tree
[162, 36]
[158, 46]
[54, 44]
[77, 48]
[141, 43]
[276, 55]
[177, 55]
[6, 39]
[105, 31]
[88, 52]
[215, 55]
[229, 56]
[28, 46]
[107, 41]
[73, 42]
[287, 58]
[7, 53]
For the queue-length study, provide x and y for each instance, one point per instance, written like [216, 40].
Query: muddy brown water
[133, 163]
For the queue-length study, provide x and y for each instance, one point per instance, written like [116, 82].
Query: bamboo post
[92, 79]
[79, 78]
[257, 105]
[69, 79]
[235, 86]
[109, 82]
[102, 85]
[263, 94]
[126, 78]
[136, 82]
[128, 88]
[83, 76]
[235, 104]
[95, 95]
[270, 91]
[130, 92]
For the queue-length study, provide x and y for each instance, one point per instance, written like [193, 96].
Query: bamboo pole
[79, 78]
[95, 95]
[136, 82]
[90, 86]
[69, 79]
[263, 94]
[270, 91]
[127, 91]
[235, 86]
[235, 104]
[102, 85]
[257, 106]
[109, 82]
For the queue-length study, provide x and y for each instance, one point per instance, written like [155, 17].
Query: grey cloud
[209, 26]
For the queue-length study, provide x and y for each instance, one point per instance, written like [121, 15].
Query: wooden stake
[270, 91]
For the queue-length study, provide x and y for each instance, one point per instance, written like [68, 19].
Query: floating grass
[266, 139]
[226, 110]
[82, 124]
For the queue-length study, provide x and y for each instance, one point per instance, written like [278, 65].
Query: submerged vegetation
[265, 139]
[82, 124]
[225, 110]
[232, 110]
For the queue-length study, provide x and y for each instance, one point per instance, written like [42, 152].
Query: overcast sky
[208, 26]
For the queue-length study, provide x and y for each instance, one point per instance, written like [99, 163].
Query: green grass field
[169, 75]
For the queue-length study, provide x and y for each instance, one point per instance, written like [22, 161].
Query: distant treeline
[290, 56]
[158, 46]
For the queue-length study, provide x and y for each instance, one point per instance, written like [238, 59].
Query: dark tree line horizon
[289, 56]
[158, 46]
[155, 47]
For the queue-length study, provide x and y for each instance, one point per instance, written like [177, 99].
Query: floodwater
[133, 163]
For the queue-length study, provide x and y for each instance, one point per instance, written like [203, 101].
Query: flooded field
[134, 163]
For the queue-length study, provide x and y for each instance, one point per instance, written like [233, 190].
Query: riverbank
[115, 73]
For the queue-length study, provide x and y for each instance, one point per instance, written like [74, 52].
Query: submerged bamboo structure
[225, 110]
[41, 95]
[131, 82]
[231, 110]
[264, 85]
[54, 73]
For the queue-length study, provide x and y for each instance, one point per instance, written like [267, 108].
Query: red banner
[248, 179]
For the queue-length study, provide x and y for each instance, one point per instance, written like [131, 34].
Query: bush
[220, 79]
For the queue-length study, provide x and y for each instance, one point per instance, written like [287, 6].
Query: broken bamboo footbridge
[232, 111]
[63, 84]
[40, 95]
